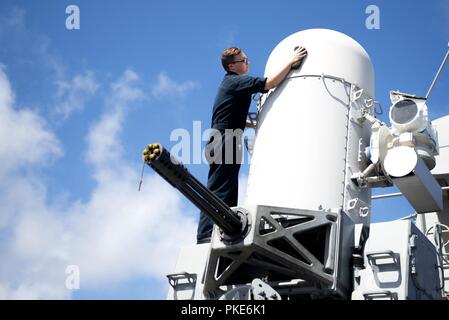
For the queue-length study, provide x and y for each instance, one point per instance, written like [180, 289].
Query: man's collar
[231, 72]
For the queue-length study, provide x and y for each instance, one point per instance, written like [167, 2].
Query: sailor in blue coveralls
[229, 120]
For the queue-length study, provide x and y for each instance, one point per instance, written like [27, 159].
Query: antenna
[438, 73]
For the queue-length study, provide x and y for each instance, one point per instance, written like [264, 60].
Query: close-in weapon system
[304, 230]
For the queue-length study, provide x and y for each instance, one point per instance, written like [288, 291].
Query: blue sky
[78, 106]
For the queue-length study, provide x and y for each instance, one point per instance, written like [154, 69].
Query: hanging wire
[141, 176]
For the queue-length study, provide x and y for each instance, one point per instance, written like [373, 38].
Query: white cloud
[126, 232]
[167, 86]
[103, 139]
[117, 234]
[122, 232]
[29, 234]
[24, 140]
[74, 93]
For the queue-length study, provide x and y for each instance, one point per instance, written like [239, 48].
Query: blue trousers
[223, 180]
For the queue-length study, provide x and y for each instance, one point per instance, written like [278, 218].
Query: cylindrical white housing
[300, 157]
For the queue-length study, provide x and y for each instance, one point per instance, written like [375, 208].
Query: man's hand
[298, 55]
[274, 80]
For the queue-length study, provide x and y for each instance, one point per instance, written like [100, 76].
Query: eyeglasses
[245, 60]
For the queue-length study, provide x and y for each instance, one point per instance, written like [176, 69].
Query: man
[229, 119]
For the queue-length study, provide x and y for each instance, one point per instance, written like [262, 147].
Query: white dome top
[329, 52]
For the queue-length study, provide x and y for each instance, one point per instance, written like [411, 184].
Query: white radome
[329, 52]
[299, 154]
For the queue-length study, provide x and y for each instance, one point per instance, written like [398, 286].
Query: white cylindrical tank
[304, 138]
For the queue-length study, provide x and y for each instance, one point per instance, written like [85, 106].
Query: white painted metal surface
[426, 222]
[442, 161]
[301, 152]
[400, 161]
[413, 178]
[191, 260]
[400, 264]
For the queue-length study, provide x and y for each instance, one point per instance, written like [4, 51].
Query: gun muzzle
[174, 172]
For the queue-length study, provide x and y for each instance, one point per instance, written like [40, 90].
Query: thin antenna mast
[438, 74]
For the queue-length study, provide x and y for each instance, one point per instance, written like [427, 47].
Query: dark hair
[228, 55]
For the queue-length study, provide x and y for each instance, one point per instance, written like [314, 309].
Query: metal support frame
[287, 245]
